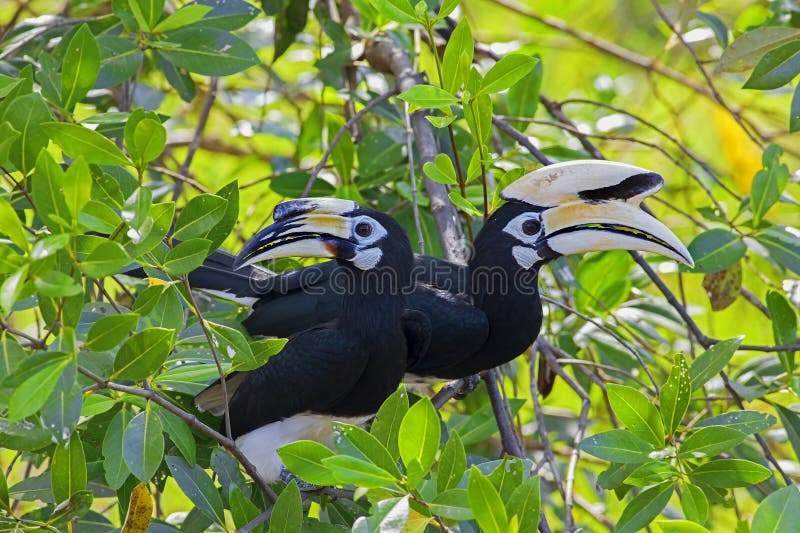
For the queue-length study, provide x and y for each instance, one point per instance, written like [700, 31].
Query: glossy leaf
[751, 46]
[419, 438]
[26, 116]
[208, 51]
[777, 68]
[729, 473]
[368, 446]
[305, 458]
[676, 395]
[76, 141]
[710, 441]
[453, 504]
[143, 444]
[287, 514]
[715, 250]
[637, 412]
[186, 256]
[80, 67]
[694, 503]
[185, 16]
[114, 465]
[488, 508]
[386, 425]
[143, 353]
[199, 216]
[506, 72]
[197, 485]
[428, 96]
[617, 445]
[31, 395]
[459, 44]
[784, 326]
[68, 470]
[777, 513]
[711, 362]
[644, 508]
[452, 463]
[180, 434]
[108, 331]
[748, 422]
[525, 504]
[791, 422]
[352, 471]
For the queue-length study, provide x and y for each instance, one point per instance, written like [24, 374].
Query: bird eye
[531, 227]
[363, 229]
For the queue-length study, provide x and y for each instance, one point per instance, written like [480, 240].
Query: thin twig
[509, 130]
[344, 129]
[198, 135]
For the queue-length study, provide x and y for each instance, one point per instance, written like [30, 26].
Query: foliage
[150, 133]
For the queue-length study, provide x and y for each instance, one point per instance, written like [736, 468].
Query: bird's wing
[315, 372]
[457, 329]
[417, 330]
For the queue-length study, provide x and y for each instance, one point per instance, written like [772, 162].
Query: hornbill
[486, 313]
[338, 370]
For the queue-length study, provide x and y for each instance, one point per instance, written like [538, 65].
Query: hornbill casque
[338, 370]
[488, 312]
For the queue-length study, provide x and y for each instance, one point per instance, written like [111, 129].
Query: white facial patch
[367, 258]
[526, 256]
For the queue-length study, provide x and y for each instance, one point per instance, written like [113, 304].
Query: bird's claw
[304, 486]
[468, 385]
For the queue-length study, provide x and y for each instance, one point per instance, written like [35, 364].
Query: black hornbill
[486, 313]
[342, 369]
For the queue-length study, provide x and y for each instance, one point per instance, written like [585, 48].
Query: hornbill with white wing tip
[339, 370]
[486, 313]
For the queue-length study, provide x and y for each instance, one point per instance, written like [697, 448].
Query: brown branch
[385, 56]
[191, 420]
[508, 436]
[509, 130]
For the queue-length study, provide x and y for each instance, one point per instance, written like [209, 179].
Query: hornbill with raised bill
[338, 370]
[486, 313]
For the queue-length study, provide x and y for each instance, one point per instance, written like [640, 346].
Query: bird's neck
[373, 301]
[509, 296]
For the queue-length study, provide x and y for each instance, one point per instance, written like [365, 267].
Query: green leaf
[287, 514]
[447, 7]
[47, 183]
[506, 72]
[120, 59]
[108, 331]
[370, 447]
[523, 97]
[777, 68]
[68, 472]
[391, 516]
[460, 43]
[31, 395]
[230, 343]
[419, 438]
[220, 231]
[440, 122]
[143, 444]
[147, 12]
[637, 412]
[290, 22]
[644, 508]
[783, 246]
[199, 216]
[8, 135]
[26, 116]
[185, 16]
[711, 362]
[208, 51]
[180, 434]
[228, 15]
[4, 500]
[794, 113]
[11, 353]
[186, 256]
[777, 513]
[57, 284]
[344, 152]
[143, 353]
[197, 485]
[676, 395]
[478, 112]
[80, 67]
[791, 423]
[716, 249]
[149, 138]
[262, 350]
[11, 289]
[784, 326]
[304, 459]
[397, 10]
[428, 96]
[386, 425]
[11, 225]
[442, 171]
[729, 473]
[716, 25]
[488, 508]
[77, 141]
[746, 50]
[351, 470]
[748, 422]
[525, 504]
[710, 441]
[114, 466]
[453, 504]
[242, 509]
[768, 185]
[77, 186]
[452, 464]
[694, 503]
[105, 260]
[617, 445]
[463, 204]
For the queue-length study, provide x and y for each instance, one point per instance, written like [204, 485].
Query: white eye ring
[363, 229]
